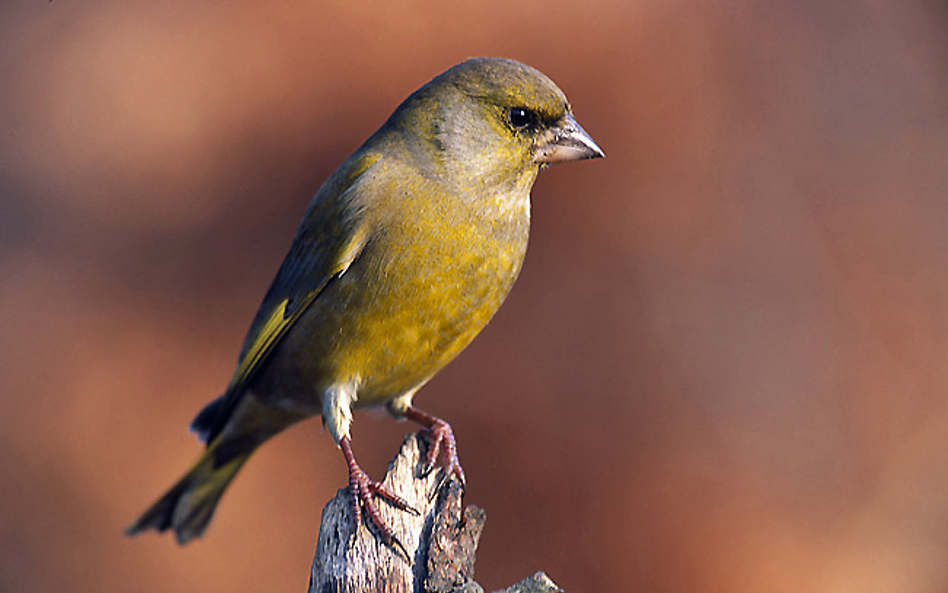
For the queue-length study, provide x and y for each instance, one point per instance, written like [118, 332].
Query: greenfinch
[401, 258]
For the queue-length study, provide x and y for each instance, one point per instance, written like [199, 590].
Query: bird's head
[493, 121]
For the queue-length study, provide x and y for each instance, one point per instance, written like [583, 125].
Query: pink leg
[441, 438]
[361, 488]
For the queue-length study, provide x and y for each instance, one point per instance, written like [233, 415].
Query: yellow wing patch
[280, 320]
[330, 238]
[272, 329]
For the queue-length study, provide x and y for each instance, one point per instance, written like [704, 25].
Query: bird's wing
[328, 240]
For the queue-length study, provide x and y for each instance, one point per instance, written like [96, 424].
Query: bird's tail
[232, 435]
[188, 507]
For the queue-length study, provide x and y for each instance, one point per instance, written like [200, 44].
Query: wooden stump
[441, 540]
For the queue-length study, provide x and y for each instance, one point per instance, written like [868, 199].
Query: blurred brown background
[724, 367]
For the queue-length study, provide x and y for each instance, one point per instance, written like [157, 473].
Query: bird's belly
[388, 327]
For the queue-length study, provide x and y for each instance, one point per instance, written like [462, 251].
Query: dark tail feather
[207, 423]
[234, 433]
[188, 507]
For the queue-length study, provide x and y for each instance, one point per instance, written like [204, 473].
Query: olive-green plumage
[402, 257]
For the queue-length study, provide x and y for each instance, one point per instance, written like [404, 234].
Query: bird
[401, 258]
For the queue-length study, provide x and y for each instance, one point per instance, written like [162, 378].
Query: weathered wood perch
[441, 540]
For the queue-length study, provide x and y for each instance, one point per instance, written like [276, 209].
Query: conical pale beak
[567, 141]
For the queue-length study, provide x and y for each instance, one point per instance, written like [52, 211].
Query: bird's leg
[361, 489]
[441, 439]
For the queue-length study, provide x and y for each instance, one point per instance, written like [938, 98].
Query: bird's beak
[567, 141]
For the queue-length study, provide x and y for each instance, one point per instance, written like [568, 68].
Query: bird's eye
[521, 118]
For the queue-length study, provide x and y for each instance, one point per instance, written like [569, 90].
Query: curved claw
[362, 489]
[379, 490]
[441, 444]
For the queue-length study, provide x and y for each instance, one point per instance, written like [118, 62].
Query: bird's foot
[362, 488]
[441, 444]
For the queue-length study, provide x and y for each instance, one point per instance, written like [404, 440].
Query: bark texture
[441, 540]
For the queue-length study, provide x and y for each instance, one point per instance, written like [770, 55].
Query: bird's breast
[423, 287]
